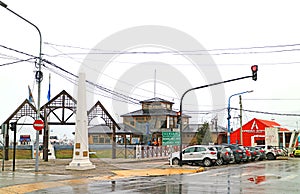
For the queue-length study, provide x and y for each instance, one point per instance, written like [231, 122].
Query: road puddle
[262, 178]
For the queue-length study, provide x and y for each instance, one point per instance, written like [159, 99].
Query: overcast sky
[234, 35]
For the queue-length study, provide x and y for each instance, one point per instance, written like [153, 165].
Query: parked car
[248, 154]
[196, 154]
[271, 151]
[239, 152]
[262, 153]
[225, 154]
[255, 153]
[296, 152]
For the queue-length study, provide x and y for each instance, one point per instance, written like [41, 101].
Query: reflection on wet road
[278, 176]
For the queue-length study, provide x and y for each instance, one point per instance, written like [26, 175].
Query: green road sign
[170, 138]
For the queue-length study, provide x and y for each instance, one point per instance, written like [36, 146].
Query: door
[199, 153]
[188, 153]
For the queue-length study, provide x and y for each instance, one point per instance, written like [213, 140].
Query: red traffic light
[254, 69]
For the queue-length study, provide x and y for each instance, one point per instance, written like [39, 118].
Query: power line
[273, 99]
[119, 95]
[101, 51]
[269, 113]
[18, 61]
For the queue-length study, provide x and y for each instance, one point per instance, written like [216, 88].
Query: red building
[254, 132]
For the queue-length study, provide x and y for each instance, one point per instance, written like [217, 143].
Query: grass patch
[20, 154]
[67, 154]
[64, 154]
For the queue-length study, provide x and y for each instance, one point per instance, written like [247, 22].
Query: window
[95, 139]
[201, 149]
[163, 124]
[107, 140]
[211, 149]
[101, 140]
[189, 150]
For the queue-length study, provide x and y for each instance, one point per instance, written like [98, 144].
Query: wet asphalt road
[281, 176]
[278, 176]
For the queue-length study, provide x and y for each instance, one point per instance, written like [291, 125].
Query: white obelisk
[81, 160]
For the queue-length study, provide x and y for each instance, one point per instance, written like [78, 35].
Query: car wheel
[207, 162]
[271, 156]
[225, 162]
[219, 162]
[175, 161]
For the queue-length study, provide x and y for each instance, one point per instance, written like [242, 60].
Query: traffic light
[254, 69]
[178, 117]
[13, 126]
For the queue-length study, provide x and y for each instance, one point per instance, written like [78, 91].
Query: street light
[229, 116]
[38, 77]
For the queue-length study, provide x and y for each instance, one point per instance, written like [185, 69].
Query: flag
[49, 92]
[30, 97]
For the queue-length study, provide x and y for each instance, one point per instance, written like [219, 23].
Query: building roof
[193, 128]
[103, 129]
[156, 112]
[156, 99]
[260, 124]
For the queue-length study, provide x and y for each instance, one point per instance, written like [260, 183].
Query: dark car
[262, 153]
[239, 152]
[255, 153]
[225, 154]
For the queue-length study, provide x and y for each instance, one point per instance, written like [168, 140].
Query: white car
[207, 155]
[271, 151]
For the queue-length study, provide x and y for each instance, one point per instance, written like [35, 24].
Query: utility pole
[241, 123]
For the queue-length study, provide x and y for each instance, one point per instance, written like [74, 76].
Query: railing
[154, 151]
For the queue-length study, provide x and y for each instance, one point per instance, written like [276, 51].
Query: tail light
[262, 151]
[254, 152]
[248, 152]
[212, 153]
[226, 153]
[239, 151]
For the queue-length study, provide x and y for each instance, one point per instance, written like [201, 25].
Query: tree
[203, 135]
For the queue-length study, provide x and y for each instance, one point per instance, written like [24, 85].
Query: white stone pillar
[81, 160]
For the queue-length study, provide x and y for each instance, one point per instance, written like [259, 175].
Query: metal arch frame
[63, 101]
[23, 110]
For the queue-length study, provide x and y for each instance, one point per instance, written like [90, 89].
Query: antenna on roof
[154, 83]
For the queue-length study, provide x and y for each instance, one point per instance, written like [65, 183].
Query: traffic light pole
[196, 88]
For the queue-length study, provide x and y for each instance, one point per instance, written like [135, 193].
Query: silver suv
[196, 154]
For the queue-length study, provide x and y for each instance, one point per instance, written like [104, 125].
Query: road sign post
[38, 125]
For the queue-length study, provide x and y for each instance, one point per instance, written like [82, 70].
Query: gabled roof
[261, 125]
[272, 124]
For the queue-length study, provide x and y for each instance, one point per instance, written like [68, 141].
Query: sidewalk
[54, 174]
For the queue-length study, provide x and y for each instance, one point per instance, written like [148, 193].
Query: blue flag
[49, 92]
[30, 96]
